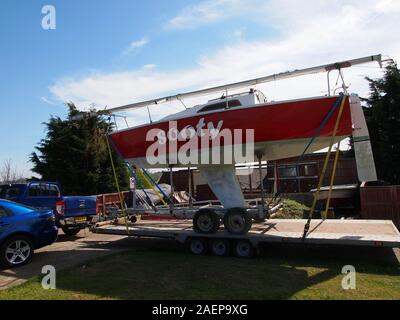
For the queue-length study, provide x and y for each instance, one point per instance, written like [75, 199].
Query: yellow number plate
[80, 219]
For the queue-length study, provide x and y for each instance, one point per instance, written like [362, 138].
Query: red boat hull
[273, 124]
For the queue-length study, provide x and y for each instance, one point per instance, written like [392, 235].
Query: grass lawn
[156, 269]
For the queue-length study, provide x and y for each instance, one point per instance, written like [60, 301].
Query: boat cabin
[246, 99]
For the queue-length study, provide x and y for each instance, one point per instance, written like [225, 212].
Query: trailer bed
[329, 232]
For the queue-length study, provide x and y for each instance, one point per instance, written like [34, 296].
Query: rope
[322, 176]
[316, 134]
[117, 185]
[328, 202]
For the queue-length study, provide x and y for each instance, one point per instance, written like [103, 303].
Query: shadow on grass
[163, 269]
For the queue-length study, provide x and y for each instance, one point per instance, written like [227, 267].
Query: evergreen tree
[74, 153]
[383, 117]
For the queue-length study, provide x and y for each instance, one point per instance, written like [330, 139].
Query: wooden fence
[381, 203]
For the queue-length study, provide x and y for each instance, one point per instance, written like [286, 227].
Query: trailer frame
[372, 233]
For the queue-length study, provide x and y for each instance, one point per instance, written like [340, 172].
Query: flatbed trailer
[373, 233]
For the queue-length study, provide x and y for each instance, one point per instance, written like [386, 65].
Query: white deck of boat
[340, 232]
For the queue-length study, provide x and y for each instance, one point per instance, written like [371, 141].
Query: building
[291, 177]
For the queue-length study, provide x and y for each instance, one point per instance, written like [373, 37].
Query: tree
[74, 153]
[383, 118]
[9, 174]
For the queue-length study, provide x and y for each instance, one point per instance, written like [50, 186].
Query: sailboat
[270, 130]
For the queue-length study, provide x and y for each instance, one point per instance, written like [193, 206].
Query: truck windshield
[9, 192]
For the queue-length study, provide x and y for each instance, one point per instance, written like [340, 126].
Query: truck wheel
[206, 221]
[70, 232]
[198, 246]
[237, 221]
[16, 251]
[219, 247]
[243, 249]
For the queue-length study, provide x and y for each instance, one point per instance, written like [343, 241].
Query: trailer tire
[206, 221]
[237, 221]
[220, 247]
[198, 246]
[243, 249]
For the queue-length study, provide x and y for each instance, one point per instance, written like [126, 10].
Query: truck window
[34, 191]
[54, 191]
[44, 190]
[38, 190]
[7, 192]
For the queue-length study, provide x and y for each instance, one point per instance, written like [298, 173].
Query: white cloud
[388, 6]
[314, 33]
[150, 66]
[48, 101]
[135, 45]
[206, 12]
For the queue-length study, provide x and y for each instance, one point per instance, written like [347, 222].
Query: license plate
[80, 219]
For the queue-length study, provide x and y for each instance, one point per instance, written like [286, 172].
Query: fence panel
[381, 203]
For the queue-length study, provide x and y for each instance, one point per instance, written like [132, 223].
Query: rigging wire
[117, 185]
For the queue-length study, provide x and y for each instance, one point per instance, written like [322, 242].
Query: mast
[252, 82]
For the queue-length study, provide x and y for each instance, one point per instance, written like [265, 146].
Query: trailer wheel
[198, 246]
[243, 249]
[237, 221]
[206, 221]
[219, 247]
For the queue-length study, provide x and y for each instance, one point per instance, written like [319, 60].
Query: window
[18, 209]
[53, 191]
[220, 106]
[35, 191]
[309, 170]
[3, 213]
[288, 172]
[8, 192]
[44, 190]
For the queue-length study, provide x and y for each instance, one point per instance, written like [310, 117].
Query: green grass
[163, 270]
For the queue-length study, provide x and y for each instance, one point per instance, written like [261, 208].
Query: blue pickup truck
[72, 213]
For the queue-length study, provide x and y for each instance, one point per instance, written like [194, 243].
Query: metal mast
[252, 82]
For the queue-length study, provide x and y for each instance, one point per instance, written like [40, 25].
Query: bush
[291, 210]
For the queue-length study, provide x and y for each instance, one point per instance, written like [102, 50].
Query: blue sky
[116, 52]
